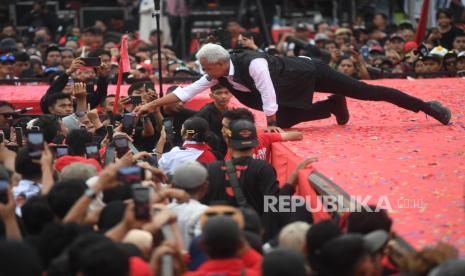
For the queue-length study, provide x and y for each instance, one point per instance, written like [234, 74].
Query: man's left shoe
[339, 109]
[439, 112]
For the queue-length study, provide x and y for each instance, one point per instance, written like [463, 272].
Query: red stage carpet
[415, 161]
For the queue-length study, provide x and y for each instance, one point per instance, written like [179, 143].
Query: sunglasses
[7, 58]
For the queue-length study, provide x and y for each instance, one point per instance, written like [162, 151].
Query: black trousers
[329, 80]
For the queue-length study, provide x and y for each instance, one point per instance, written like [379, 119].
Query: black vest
[293, 80]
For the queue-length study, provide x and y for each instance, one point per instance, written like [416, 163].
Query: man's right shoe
[439, 112]
[339, 109]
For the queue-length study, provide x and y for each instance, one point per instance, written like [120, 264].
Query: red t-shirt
[262, 150]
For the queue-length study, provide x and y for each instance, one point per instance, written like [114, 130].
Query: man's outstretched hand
[274, 129]
[142, 109]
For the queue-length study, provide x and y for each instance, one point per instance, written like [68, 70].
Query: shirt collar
[231, 68]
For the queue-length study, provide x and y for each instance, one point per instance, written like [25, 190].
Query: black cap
[243, 134]
[344, 252]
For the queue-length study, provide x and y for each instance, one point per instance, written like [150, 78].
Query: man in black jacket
[283, 87]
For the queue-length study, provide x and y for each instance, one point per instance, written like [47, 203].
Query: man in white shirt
[283, 87]
[31, 174]
[190, 176]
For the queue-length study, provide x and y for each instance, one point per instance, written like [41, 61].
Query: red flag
[124, 66]
[422, 23]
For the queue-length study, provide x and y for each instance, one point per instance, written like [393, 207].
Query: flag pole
[118, 87]
[124, 66]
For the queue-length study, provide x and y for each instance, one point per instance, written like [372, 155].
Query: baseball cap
[396, 36]
[344, 252]
[450, 54]
[439, 51]
[243, 134]
[376, 49]
[409, 46]
[189, 174]
[321, 37]
[301, 27]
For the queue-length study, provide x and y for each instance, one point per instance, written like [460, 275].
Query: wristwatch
[90, 193]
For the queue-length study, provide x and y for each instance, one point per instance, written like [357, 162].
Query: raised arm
[180, 94]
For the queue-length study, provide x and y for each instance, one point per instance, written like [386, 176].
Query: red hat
[68, 160]
[138, 267]
[409, 46]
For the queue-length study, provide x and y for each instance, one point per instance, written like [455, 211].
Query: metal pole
[265, 30]
[157, 19]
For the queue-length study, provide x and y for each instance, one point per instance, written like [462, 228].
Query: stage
[414, 162]
[417, 163]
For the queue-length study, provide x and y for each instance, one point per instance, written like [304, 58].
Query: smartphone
[365, 51]
[3, 191]
[168, 124]
[141, 197]
[121, 146]
[92, 151]
[19, 136]
[2, 136]
[110, 155]
[110, 131]
[152, 160]
[35, 140]
[61, 150]
[130, 175]
[128, 121]
[136, 100]
[92, 61]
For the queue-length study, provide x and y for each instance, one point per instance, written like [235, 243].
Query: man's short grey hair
[213, 53]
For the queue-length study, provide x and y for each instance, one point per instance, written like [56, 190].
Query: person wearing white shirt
[190, 176]
[283, 87]
[31, 174]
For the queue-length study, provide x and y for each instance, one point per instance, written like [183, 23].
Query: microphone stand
[156, 14]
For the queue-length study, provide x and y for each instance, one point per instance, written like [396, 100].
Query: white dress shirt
[170, 160]
[259, 72]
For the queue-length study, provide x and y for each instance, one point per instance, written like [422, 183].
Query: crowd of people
[84, 191]
[360, 51]
[88, 191]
